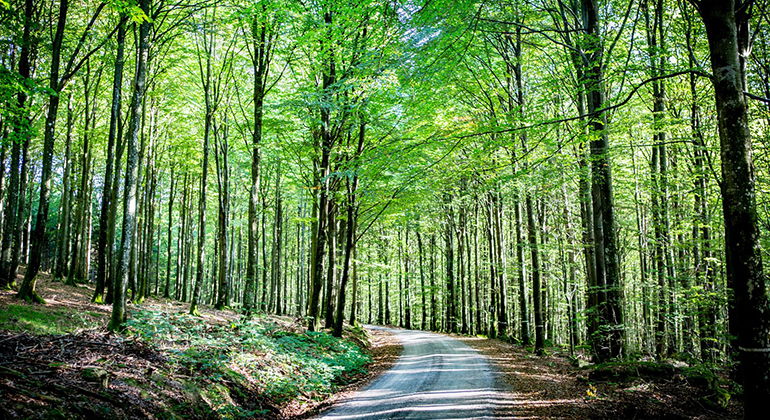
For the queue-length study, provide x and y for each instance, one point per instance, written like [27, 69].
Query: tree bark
[103, 246]
[607, 341]
[129, 198]
[749, 310]
[38, 239]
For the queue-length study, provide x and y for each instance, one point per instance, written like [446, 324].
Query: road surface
[436, 377]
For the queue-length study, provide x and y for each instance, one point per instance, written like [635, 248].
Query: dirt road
[436, 377]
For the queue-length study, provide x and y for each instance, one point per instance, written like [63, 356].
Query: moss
[31, 297]
[43, 320]
[719, 391]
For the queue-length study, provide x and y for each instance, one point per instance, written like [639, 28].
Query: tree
[56, 83]
[129, 185]
[727, 28]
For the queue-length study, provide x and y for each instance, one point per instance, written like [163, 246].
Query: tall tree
[56, 82]
[130, 183]
[727, 28]
[104, 248]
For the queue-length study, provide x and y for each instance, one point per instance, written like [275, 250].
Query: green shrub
[252, 355]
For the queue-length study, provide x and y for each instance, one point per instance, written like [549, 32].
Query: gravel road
[436, 377]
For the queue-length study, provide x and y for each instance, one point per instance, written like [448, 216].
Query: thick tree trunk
[749, 310]
[607, 340]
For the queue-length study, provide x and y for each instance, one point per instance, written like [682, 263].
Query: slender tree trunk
[20, 136]
[424, 307]
[433, 315]
[451, 307]
[387, 291]
[461, 266]
[167, 286]
[129, 209]
[201, 246]
[332, 233]
[223, 222]
[277, 243]
[407, 283]
[260, 62]
[502, 310]
[103, 246]
[350, 237]
[61, 263]
[38, 239]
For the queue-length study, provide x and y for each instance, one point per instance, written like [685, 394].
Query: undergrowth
[244, 367]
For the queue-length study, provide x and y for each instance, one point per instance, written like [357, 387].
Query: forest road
[435, 377]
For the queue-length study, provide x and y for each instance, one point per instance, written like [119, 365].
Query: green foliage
[253, 355]
[131, 9]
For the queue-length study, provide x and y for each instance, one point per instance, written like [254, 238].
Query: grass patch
[44, 320]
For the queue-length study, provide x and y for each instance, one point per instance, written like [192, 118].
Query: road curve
[436, 377]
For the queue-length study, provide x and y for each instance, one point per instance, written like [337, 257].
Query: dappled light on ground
[549, 387]
[436, 377]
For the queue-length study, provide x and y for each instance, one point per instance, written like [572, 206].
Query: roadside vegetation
[166, 363]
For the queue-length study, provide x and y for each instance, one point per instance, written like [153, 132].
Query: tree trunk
[103, 246]
[38, 239]
[607, 341]
[62, 256]
[167, 286]
[451, 305]
[433, 316]
[424, 307]
[129, 198]
[223, 222]
[20, 135]
[277, 243]
[749, 310]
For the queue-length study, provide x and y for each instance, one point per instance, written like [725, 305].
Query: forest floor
[551, 387]
[59, 361]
